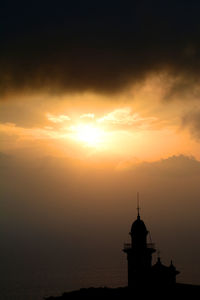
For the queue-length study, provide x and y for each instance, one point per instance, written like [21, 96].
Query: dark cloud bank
[100, 46]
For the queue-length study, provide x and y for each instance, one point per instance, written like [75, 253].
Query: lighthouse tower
[139, 254]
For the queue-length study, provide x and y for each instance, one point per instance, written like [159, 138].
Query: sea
[41, 283]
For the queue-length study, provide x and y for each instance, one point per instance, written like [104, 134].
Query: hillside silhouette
[159, 292]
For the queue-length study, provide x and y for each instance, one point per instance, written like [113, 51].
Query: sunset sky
[98, 100]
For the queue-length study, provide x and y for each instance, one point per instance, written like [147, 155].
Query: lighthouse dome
[138, 227]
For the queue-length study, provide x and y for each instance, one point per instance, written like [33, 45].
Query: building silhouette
[144, 279]
[141, 272]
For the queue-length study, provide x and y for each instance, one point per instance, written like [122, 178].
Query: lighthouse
[139, 254]
[141, 272]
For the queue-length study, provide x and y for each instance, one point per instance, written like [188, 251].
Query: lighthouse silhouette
[141, 272]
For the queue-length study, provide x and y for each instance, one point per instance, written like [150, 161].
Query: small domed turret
[138, 227]
[138, 231]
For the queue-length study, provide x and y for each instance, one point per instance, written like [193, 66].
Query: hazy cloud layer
[174, 167]
[74, 213]
[101, 46]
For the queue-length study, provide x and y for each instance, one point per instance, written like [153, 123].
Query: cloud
[22, 134]
[119, 116]
[57, 119]
[175, 166]
[90, 116]
[103, 47]
[191, 120]
[172, 167]
[124, 117]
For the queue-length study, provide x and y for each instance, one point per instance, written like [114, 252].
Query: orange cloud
[125, 117]
[89, 115]
[57, 119]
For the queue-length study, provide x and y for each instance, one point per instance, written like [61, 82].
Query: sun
[88, 134]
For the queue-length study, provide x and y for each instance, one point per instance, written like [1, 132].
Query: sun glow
[119, 131]
[90, 135]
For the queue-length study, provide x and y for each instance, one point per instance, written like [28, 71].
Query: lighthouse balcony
[128, 246]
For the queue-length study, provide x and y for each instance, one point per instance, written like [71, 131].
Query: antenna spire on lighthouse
[138, 207]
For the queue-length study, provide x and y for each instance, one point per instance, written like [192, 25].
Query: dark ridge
[178, 290]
